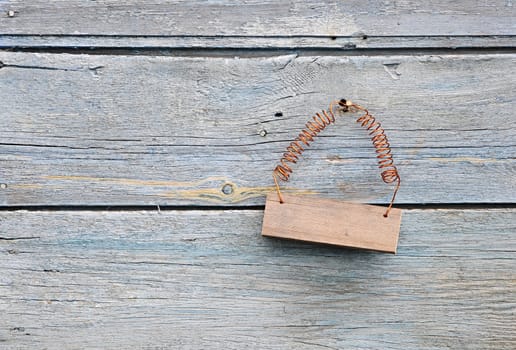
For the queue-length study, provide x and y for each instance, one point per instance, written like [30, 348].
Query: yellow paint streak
[134, 182]
[239, 194]
[210, 194]
[466, 159]
[22, 186]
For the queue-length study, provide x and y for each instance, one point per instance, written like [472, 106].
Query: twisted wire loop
[318, 123]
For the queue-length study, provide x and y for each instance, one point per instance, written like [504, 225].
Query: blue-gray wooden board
[111, 130]
[271, 24]
[208, 280]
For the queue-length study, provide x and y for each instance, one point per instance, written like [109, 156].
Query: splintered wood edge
[320, 220]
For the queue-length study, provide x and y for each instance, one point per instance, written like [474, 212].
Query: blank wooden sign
[330, 221]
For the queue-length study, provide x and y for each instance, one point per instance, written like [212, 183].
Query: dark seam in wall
[156, 208]
[258, 52]
[235, 36]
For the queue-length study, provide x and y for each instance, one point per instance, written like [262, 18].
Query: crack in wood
[17, 238]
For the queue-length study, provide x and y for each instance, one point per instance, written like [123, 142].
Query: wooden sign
[330, 221]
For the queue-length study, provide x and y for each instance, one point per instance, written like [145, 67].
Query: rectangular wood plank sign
[331, 221]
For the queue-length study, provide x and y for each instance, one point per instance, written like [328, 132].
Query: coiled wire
[323, 119]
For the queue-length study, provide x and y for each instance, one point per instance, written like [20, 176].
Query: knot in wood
[227, 189]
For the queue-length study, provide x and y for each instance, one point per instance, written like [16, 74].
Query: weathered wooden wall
[136, 146]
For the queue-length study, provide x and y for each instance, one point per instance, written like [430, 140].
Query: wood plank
[257, 24]
[207, 279]
[141, 130]
[258, 18]
[320, 220]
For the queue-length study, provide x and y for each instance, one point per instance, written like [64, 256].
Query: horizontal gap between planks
[465, 206]
[260, 52]
[235, 36]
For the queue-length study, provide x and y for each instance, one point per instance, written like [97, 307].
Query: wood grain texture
[80, 129]
[321, 220]
[258, 18]
[183, 120]
[207, 279]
